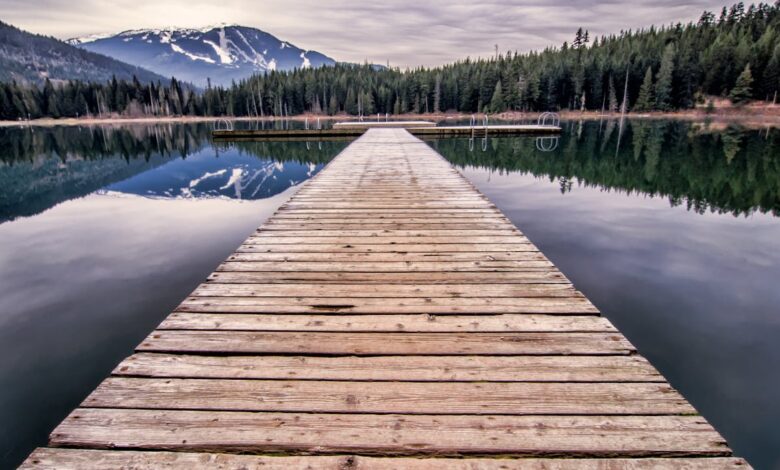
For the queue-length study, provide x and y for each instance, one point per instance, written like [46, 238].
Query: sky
[406, 33]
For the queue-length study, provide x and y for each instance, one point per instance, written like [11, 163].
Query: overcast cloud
[405, 32]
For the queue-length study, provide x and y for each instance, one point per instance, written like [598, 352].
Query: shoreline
[748, 116]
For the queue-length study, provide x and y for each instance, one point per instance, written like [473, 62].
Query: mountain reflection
[41, 167]
[725, 170]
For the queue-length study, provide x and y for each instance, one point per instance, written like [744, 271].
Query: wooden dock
[382, 124]
[355, 129]
[387, 317]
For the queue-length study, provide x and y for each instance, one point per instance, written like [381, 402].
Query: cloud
[405, 32]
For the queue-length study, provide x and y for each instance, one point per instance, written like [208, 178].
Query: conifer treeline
[735, 54]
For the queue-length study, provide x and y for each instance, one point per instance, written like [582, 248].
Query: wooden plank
[78, 459]
[373, 197]
[389, 240]
[390, 257]
[374, 247]
[387, 205]
[389, 266]
[372, 305]
[352, 214]
[486, 222]
[277, 221]
[489, 234]
[386, 323]
[390, 225]
[507, 277]
[214, 289]
[395, 368]
[448, 398]
[363, 344]
[585, 436]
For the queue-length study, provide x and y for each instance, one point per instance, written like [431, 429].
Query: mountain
[221, 53]
[31, 58]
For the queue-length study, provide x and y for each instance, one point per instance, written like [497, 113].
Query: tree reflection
[706, 169]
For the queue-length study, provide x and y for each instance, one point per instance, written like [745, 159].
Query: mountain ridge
[29, 57]
[219, 54]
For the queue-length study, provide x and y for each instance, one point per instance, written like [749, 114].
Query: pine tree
[578, 39]
[497, 101]
[50, 100]
[437, 95]
[351, 104]
[663, 86]
[771, 76]
[645, 100]
[743, 88]
[613, 101]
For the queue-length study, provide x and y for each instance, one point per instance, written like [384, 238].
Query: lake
[670, 228]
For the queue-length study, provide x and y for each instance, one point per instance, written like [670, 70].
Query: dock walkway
[388, 316]
[356, 129]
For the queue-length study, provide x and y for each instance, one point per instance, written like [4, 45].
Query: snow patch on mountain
[192, 56]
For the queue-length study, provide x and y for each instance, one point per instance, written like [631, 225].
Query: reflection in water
[39, 168]
[103, 231]
[727, 171]
[675, 237]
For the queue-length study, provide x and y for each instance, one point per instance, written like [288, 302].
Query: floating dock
[356, 129]
[388, 316]
[363, 125]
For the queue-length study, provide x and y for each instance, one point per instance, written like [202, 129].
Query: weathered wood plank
[584, 436]
[494, 291]
[388, 240]
[78, 459]
[517, 246]
[374, 305]
[311, 220]
[507, 277]
[388, 266]
[283, 342]
[449, 398]
[395, 368]
[499, 235]
[456, 226]
[353, 214]
[398, 256]
[386, 323]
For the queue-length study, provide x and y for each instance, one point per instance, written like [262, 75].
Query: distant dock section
[353, 129]
[363, 125]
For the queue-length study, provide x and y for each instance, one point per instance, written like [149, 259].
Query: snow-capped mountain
[221, 53]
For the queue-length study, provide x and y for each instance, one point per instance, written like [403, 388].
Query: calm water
[673, 233]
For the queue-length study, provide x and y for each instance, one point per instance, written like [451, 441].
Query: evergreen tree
[771, 76]
[497, 101]
[663, 86]
[645, 100]
[613, 101]
[743, 88]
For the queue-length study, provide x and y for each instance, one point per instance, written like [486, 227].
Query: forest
[733, 54]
